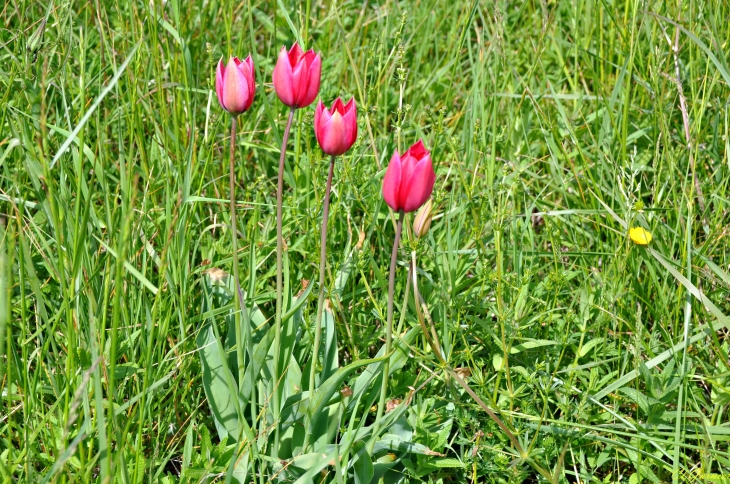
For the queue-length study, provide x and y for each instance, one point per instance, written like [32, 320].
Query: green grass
[551, 124]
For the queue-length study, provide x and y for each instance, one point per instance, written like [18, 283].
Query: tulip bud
[422, 222]
[409, 179]
[296, 76]
[235, 84]
[336, 128]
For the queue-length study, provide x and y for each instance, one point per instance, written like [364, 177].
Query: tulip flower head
[296, 76]
[409, 179]
[235, 84]
[336, 128]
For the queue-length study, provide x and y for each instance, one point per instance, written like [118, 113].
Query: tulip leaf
[331, 361]
[254, 368]
[363, 468]
[373, 373]
[297, 303]
[217, 377]
[316, 461]
[290, 332]
[324, 393]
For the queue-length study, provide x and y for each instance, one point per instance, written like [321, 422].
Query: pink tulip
[296, 76]
[409, 179]
[336, 128]
[235, 84]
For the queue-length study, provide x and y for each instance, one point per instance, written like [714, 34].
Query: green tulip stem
[279, 282]
[234, 237]
[322, 264]
[388, 329]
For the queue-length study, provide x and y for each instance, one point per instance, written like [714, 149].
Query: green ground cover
[554, 127]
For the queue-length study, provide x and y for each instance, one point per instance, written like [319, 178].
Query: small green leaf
[497, 362]
[589, 346]
[531, 344]
[447, 463]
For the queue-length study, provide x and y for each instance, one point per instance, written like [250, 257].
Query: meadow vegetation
[540, 344]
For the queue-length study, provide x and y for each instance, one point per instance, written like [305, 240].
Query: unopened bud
[423, 219]
[35, 40]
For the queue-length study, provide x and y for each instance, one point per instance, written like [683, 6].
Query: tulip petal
[313, 80]
[245, 70]
[219, 76]
[407, 164]
[419, 185]
[418, 151]
[325, 116]
[392, 182]
[250, 74]
[300, 73]
[318, 115]
[283, 78]
[333, 135]
[295, 53]
[338, 106]
[235, 88]
[350, 118]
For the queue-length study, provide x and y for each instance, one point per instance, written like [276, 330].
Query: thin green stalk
[279, 280]
[248, 309]
[388, 328]
[234, 241]
[305, 34]
[421, 311]
[683, 370]
[322, 264]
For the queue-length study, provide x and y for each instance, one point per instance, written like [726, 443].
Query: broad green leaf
[325, 392]
[363, 468]
[254, 368]
[331, 360]
[314, 463]
[217, 377]
[370, 377]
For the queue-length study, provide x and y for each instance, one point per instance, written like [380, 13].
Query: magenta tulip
[296, 76]
[409, 179]
[336, 128]
[235, 84]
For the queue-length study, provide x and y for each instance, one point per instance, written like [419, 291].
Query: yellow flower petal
[640, 235]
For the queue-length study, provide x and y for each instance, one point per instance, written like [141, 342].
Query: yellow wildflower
[640, 235]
